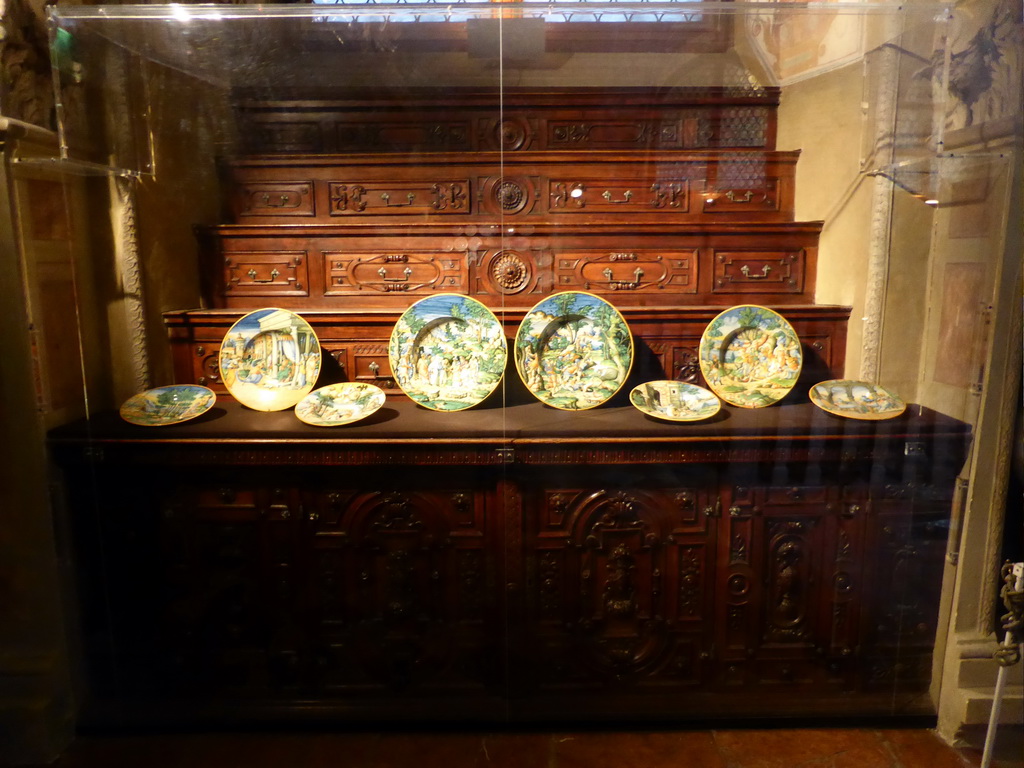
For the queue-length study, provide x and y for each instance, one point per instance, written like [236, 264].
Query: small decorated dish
[270, 359]
[674, 401]
[750, 356]
[857, 400]
[573, 351]
[167, 405]
[339, 404]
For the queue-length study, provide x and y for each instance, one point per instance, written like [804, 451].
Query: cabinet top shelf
[528, 425]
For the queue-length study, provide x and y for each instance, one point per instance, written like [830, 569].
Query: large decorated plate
[338, 404]
[573, 351]
[167, 405]
[857, 399]
[270, 359]
[674, 401]
[448, 352]
[750, 356]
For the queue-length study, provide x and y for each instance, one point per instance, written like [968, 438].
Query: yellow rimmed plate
[857, 399]
[750, 356]
[573, 351]
[448, 352]
[674, 401]
[167, 405]
[338, 404]
[270, 359]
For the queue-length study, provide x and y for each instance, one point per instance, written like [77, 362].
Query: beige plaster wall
[822, 118]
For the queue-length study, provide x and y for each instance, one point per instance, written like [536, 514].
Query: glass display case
[530, 362]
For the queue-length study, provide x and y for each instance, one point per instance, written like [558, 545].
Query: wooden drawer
[364, 197]
[635, 271]
[266, 273]
[361, 272]
[284, 198]
[742, 271]
[365, 361]
[742, 199]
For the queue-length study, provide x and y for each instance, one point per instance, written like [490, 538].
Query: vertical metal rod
[997, 693]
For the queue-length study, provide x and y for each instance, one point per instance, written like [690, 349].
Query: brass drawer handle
[273, 276]
[765, 271]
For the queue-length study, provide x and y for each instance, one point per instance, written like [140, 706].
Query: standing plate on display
[750, 356]
[270, 359]
[338, 404]
[167, 405]
[573, 351]
[857, 399]
[448, 352]
[674, 401]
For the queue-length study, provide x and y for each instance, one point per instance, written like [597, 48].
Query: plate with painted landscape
[573, 351]
[339, 404]
[857, 399]
[750, 356]
[167, 405]
[270, 359]
[448, 352]
[674, 401]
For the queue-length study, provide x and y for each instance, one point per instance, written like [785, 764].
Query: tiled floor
[807, 748]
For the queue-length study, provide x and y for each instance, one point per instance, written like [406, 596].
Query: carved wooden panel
[402, 584]
[676, 265]
[361, 135]
[907, 534]
[622, 585]
[774, 596]
[276, 199]
[232, 572]
[757, 271]
[512, 270]
[266, 273]
[351, 272]
[733, 198]
[370, 197]
[847, 547]
[616, 195]
[634, 270]
[508, 195]
[285, 135]
[431, 120]
[529, 187]
[733, 127]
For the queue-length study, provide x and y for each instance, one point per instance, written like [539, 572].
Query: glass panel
[765, 195]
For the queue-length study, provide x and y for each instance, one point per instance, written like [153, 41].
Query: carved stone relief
[26, 88]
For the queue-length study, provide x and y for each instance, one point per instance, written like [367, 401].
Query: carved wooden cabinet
[673, 204]
[517, 564]
[510, 562]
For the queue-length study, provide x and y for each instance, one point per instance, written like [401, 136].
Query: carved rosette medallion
[510, 272]
[509, 195]
[512, 134]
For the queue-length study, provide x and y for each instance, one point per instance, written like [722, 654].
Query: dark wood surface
[229, 421]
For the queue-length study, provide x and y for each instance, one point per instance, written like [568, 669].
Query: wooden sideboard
[509, 564]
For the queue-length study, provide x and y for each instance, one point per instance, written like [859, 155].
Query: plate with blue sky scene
[448, 352]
